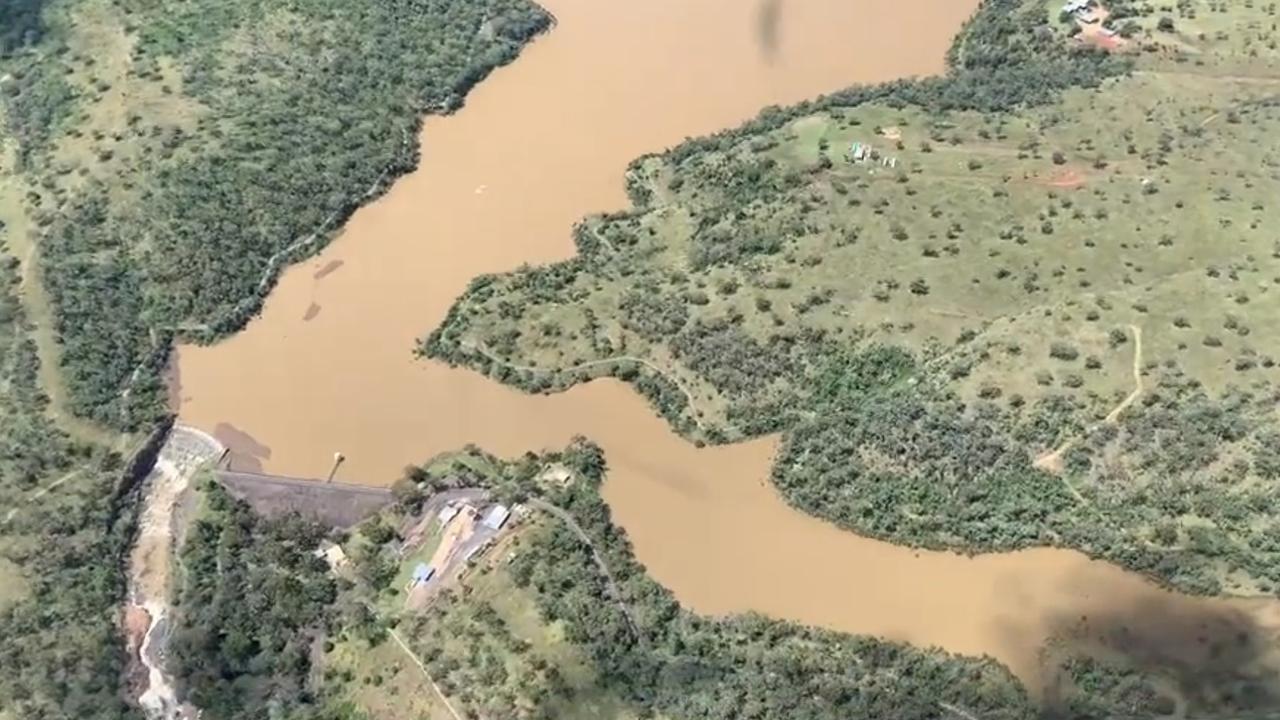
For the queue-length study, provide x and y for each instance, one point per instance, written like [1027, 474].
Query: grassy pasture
[13, 586]
[1034, 229]
[382, 682]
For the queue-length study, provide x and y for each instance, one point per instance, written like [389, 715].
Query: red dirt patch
[1094, 33]
[1068, 178]
[1110, 43]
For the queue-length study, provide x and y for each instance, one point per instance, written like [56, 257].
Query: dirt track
[573, 525]
[1052, 461]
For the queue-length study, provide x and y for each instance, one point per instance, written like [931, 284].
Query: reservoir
[329, 367]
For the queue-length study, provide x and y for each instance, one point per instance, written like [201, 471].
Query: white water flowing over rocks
[150, 562]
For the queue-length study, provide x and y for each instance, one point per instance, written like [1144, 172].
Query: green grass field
[392, 601]
[985, 278]
[382, 682]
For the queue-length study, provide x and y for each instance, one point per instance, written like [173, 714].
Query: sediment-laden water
[328, 367]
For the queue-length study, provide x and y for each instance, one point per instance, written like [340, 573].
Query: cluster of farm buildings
[864, 152]
[465, 533]
[464, 528]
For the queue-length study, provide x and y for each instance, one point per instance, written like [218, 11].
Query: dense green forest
[20, 25]
[1037, 309]
[65, 519]
[251, 601]
[174, 155]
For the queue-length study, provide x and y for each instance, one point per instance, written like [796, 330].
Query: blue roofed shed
[423, 572]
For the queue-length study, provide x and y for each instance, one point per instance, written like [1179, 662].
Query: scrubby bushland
[247, 129]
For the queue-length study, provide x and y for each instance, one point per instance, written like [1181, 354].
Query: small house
[496, 517]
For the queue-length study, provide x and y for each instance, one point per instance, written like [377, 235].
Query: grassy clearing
[123, 117]
[960, 302]
[13, 586]
[394, 600]
[381, 681]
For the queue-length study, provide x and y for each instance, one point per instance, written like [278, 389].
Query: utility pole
[337, 460]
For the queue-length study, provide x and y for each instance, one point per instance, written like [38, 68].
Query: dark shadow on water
[1217, 655]
[768, 20]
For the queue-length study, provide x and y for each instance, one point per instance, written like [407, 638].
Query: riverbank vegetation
[1030, 303]
[534, 629]
[171, 157]
[558, 620]
[65, 517]
[252, 601]
[542, 628]
[531, 630]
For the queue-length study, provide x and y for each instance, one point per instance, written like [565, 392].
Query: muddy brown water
[541, 144]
